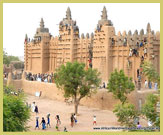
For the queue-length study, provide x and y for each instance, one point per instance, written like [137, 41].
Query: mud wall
[102, 99]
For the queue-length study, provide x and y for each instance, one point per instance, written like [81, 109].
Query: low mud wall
[102, 99]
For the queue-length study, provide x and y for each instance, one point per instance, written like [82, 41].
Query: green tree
[19, 65]
[76, 82]
[149, 109]
[15, 112]
[7, 59]
[120, 85]
[126, 114]
[151, 73]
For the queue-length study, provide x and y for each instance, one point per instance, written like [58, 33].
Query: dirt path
[105, 118]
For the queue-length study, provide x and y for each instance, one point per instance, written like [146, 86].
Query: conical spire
[82, 35]
[68, 14]
[92, 35]
[141, 32]
[87, 35]
[124, 33]
[136, 32]
[26, 37]
[158, 35]
[104, 14]
[119, 33]
[42, 23]
[129, 33]
[148, 28]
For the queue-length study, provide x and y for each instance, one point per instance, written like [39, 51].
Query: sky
[24, 18]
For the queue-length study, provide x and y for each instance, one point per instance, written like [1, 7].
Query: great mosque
[102, 50]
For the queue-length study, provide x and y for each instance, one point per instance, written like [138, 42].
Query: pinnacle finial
[124, 33]
[136, 32]
[129, 33]
[42, 23]
[141, 32]
[158, 35]
[68, 13]
[92, 35]
[26, 37]
[87, 35]
[152, 32]
[148, 28]
[104, 14]
[119, 33]
[82, 35]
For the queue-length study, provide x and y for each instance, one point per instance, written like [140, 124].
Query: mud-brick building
[102, 50]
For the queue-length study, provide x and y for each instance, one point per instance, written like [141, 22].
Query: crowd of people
[45, 125]
[40, 77]
[73, 120]
[148, 84]
[15, 75]
[134, 52]
[5, 75]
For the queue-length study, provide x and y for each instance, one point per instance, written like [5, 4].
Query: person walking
[149, 123]
[48, 120]
[65, 129]
[142, 59]
[57, 127]
[72, 120]
[94, 120]
[145, 52]
[138, 72]
[75, 118]
[58, 119]
[36, 109]
[150, 85]
[104, 85]
[130, 53]
[138, 125]
[43, 122]
[146, 84]
[155, 86]
[33, 107]
[37, 123]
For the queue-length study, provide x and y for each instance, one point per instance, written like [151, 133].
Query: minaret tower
[25, 52]
[26, 39]
[148, 28]
[42, 23]
[104, 14]
[68, 14]
[68, 39]
[39, 45]
[102, 46]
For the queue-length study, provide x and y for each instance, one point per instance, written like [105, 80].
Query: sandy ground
[105, 118]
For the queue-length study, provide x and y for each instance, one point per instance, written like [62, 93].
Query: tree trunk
[76, 107]
[76, 103]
